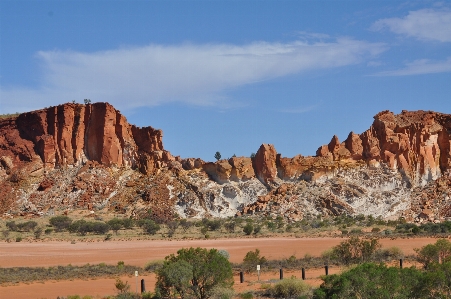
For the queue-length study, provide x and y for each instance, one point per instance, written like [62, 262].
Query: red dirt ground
[139, 252]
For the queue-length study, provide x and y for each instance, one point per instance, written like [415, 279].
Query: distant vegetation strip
[8, 115]
[343, 225]
[29, 274]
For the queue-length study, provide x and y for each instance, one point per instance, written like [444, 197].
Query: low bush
[60, 223]
[252, 259]
[289, 288]
[153, 266]
[248, 229]
[222, 293]
[247, 295]
[22, 226]
[82, 227]
[150, 226]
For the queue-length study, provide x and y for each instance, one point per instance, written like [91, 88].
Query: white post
[258, 272]
[136, 275]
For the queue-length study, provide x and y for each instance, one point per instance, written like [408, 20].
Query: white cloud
[419, 67]
[424, 24]
[194, 74]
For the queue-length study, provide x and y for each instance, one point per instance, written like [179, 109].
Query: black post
[281, 273]
[143, 286]
[326, 268]
[400, 263]
[241, 277]
[303, 274]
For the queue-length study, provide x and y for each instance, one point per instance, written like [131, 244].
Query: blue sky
[230, 75]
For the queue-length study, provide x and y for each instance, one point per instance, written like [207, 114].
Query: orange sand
[139, 252]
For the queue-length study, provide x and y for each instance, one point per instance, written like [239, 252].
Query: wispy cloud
[424, 24]
[189, 73]
[419, 67]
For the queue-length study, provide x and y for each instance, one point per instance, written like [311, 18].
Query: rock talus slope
[75, 156]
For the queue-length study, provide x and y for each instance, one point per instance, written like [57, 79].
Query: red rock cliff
[417, 143]
[71, 133]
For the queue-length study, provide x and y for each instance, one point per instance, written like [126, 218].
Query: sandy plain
[140, 252]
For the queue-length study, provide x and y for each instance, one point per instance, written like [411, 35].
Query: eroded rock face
[417, 143]
[86, 157]
[72, 133]
[265, 163]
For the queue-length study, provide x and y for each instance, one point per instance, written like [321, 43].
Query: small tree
[218, 156]
[355, 250]
[87, 101]
[252, 259]
[38, 232]
[248, 229]
[150, 227]
[434, 253]
[60, 223]
[122, 287]
[193, 272]
[115, 224]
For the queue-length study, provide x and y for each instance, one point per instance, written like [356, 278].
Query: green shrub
[356, 231]
[152, 266]
[193, 273]
[230, 226]
[355, 250]
[434, 253]
[127, 295]
[38, 232]
[248, 229]
[147, 295]
[19, 239]
[48, 231]
[60, 223]
[185, 224]
[257, 229]
[247, 295]
[82, 227]
[121, 287]
[128, 223]
[150, 227]
[115, 224]
[222, 293]
[252, 259]
[290, 288]
[376, 281]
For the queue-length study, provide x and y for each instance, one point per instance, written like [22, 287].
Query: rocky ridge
[89, 157]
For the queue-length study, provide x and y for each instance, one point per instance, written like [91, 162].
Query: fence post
[241, 277]
[326, 268]
[303, 274]
[143, 286]
[400, 263]
[281, 273]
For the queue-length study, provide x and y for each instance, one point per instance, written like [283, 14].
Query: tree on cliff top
[218, 156]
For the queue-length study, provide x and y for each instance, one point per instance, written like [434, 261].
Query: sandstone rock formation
[89, 157]
[71, 134]
[265, 163]
[416, 143]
